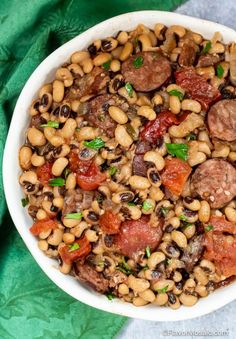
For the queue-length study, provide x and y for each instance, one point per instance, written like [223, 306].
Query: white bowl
[11, 170]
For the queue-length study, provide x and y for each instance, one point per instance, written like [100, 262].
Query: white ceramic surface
[44, 73]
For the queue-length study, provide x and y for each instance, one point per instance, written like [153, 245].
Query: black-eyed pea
[204, 147]
[45, 102]
[56, 237]
[58, 202]
[201, 290]
[57, 141]
[177, 276]
[34, 108]
[122, 37]
[78, 57]
[154, 177]
[59, 165]
[58, 90]
[123, 196]
[138, 182]
[196, 158]
[156, 158]
[191, 105]
[174, 221]
[118, 115]
[179, 238]
[143, 100]
[192, 121]
[189, 230]
[75, 69]
[123, 137]
[152, 38]
[207, 266]
[131, 98]
[216, 82]
[43, 245]
[65, 268]
[147, 295]
[157, 100]
[87, 133]
[221, 151]
[36, 137]
[175, 104]
[90, 217]
[200, 275]
[116, 52]
[206, 72]
[64, 75]
[115, 65]
[64, 151]
[135, 212]
[145, 41]
[41, 214]
[189, 285]
[138, 285]
[101, 58]
[70, 181]
[25, 155]
[68, 238]
[28, 177]
[37, 160]
[173, 301]
[126, 51]
[196, 37]
[91, 235]
[159, 31]
[87, 65]
[70, 222]
[161, 299]
[204, 211]
[155, 259]
[47, 205]
[123, 289]
[147, 112]
[192, 204]
[217, 48]
[138, 301]
[176, 29]
[188, 299]
[108, 44]
[78, 229]
[230, 213]
[156, 193]
[232, 156]
[163, 285]
[68, 129]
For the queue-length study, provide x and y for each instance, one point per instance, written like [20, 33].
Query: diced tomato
[44, 172]
[91, 179]
[158, 127]
[220, 224]
[68, 255]
[110, 222]
[77, 165]
[197, 87]
[43, 226]
[137, 235]
[175, 175]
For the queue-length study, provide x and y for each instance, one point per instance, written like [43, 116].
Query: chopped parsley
[147, 205]
[96, 143]
[66, 172]
[73, 247]
[129, 89]
[182, 217]
[162, 290]
[110, 296]
[206, 48]
[54, 124]
[138, 62]
[56, 182]
[124, 267]
[191, 136]
[219, 71]
[178, 150]
[24, 202]
[208, 228]
[131, 203]
[186, 225]
[148, 251]
[106, 65]
[112, 170]
[76, 216]
[169, 261]
[176, 93]
[164, 211]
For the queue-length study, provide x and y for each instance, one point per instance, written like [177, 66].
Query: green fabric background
[31, 306]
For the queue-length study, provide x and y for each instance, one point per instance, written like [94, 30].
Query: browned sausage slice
[96, 111]
[139, 166]
[154, 71]
[215, 181]
[87, 274]
[222, 120]
[188, 54]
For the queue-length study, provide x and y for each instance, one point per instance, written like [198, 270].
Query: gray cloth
[221, 323]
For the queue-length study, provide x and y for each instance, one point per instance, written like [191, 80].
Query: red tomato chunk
[68, 255]
[109, 222]
[43, 226]
[44, 173]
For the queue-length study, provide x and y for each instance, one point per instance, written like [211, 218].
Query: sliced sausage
[139, 166]
[154, 71]
[192, 253]
[86, 273]
[215, 181]
[208, 60]
[96, 111]
[197, 87]
[93, 83]
[222, 120]
[136, 235]
[188, 54]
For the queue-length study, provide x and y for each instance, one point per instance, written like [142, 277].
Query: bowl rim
[11, 169]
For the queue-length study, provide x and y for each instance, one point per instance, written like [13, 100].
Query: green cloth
[31, 306]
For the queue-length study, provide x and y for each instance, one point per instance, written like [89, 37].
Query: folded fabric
[31, 306]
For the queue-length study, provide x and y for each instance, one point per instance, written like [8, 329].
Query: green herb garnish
[110, 296]
[54, 124]
[131, 203]
[101, 264]
[73, 247]
[56, 182]
[178, 150]
[191, 136]
[106, 65]
[24, 202]
[138, 62]
[124, 267]
[147, 205]
[131, 131]
[135, 43]
[208, 228]
[164, 211]
[206, 48]
[176, 93]
[148, 251]
[112, 170]
[169, 261]
[66, 172]
[182, 217]
[162, 290]
[96, 143]
[129, 89]
[76, 216]
[219, 71]
[78, 129]
[186, 225]
[145, 268]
